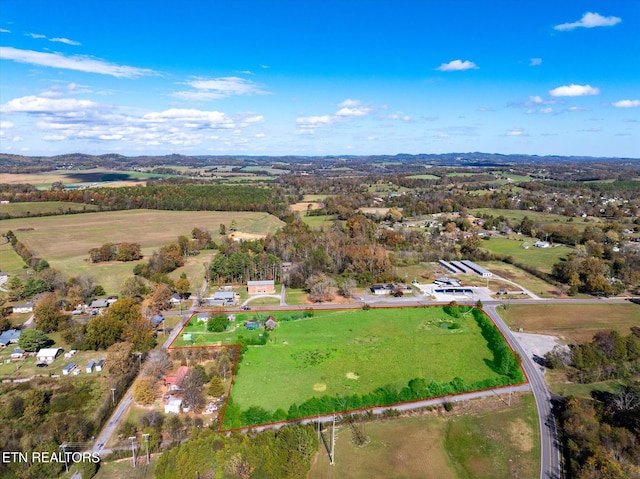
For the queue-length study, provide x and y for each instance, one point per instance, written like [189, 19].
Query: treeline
[282, 454]
[115, 252]
[177, 197]
[601, 435]
[608, 355]
[33, 261]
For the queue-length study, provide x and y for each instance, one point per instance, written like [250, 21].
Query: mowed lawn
[64, 241]
[354, 351]
[575, 323]
[499, 442]
[541, 258]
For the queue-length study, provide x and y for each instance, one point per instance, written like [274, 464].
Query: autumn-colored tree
[145, 390]
[183, 285]
[47, 314]
[160, 297]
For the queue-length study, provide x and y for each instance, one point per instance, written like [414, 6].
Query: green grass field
[32, 208]
[10, 262]
[319, 220]
[342, 352]
[424, 177]
[541, 258]
[496, 442]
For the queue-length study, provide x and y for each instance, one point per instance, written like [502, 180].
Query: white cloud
[589, 20]
[343, 114]
[534, 62]
[4, 30]
[574, 90]
[39, 105]
[626, 104]
[6, 124]
[255, 119]
[348, 103]
[65, 40]
[259, 135]
[217, 88]
[315, 121]
[78, 63]
[361, 111]
[457, 65]
[36, 35]
[70, 119]
[516, 132]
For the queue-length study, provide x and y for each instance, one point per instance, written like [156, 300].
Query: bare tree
[157, 363]
[346, 288]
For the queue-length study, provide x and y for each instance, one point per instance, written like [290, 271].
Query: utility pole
[133, 450]
[64, 453]
[333, 441]
[146, 446]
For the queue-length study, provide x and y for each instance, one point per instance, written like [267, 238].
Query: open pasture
[36, 208]
[344, 352]
[524, 252]
[480, 439]
[574, 323]
[64, 241]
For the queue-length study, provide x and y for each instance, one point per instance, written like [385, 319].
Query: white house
[90, 366]
[23, 308]
[173, 406]
[175, 299]
[69, 368]
[48, 355]
[541, 244]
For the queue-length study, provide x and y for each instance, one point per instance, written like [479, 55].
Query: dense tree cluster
[602, 435]
[239, 262]
[115, 252]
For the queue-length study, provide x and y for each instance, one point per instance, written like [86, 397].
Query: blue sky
[324, 77]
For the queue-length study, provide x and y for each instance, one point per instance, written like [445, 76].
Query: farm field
[495, 443]
[103, 176]
[574, 323]
[541, 258]
[35, 208]
[64, 241]
[516, 216]
[345, 352]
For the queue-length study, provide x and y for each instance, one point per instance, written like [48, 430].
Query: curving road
[549, 447]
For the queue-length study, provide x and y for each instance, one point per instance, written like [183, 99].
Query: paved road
[114, 421]
[550, 451]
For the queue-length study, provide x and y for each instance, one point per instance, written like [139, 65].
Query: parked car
[42, 365]
[246, 308]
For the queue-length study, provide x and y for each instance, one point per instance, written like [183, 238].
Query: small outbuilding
[48, 355]
[100, 365]
[90, 366]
